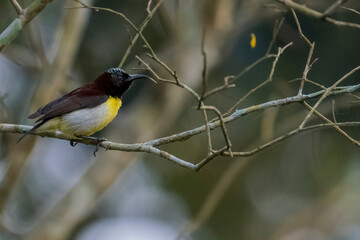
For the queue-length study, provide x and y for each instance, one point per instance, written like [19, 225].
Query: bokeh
[306, 187]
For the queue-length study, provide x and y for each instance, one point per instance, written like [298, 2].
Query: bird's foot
[73, 143]
[97, 140]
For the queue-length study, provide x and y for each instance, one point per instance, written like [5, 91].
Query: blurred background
[307, 187]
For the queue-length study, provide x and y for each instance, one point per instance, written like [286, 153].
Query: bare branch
[248, 68]
[311, 51]
[351, 10]
[333, 111]
[325, 94]
[310, 81]
[208, 134]
[333, 7]
[154, 73]
[138, 30]
[149, 6]
[269, 79]
[230, 79]
[210, 157]
[142, 27]
[222, 124]
[315, 14]
[278, 25]
[223, 87]
[353, 141]
[204, 71]
[287, 135]
[176, 79]
[17, 7]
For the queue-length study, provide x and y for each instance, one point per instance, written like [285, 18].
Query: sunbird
[87, 109]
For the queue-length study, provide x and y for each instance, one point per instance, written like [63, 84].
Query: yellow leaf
[253, 40]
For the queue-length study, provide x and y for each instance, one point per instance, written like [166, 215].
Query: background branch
[315, 14]
[17, 6]
[25, 16]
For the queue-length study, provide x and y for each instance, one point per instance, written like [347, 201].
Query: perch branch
[151, 146]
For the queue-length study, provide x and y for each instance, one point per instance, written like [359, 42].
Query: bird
[87, 109]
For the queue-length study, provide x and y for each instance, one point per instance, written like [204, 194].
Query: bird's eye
[124, 74]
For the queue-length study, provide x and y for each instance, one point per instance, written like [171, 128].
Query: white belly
[85, 122]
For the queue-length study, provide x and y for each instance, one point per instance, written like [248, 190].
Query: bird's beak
[139, 76]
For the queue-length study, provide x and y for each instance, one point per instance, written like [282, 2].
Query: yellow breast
[113, 105]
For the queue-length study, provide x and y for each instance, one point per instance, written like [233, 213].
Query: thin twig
[154, 73]
[309, 81]
[315, 14]
[299, 28]
[325, 94]
[311, 51]
[333, 111]
[164, 65]
[251, 66]
[351, 10]
[357, 97]
[149, 6]
[17, 7]
[141, 29]
[269, 79]
[333, 7]
[210, 157]
[287, 135]
[138, 30]
[230, 79]
[222, 124]
[278, 25]
[223, 87]
[204, 70]
[176, 82]
[203, 92]
[307, 68]
[208, 134]
[317, 113]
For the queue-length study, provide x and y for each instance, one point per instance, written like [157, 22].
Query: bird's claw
[99, 140]
[73, 143]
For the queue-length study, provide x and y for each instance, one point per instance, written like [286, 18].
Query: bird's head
[116, 81]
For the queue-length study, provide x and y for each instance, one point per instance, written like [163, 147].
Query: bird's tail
[31, 131]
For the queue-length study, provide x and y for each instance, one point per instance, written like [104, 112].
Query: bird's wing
[84, 97]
